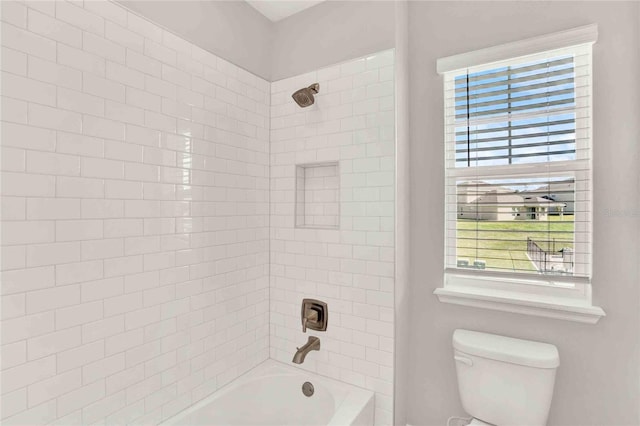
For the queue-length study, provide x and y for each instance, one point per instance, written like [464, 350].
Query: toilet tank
[505, 381]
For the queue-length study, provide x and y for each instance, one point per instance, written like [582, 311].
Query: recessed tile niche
[318, 195]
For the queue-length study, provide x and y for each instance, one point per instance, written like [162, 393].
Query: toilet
[504, 381]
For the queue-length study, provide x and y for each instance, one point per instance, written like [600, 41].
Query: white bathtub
[271, 394]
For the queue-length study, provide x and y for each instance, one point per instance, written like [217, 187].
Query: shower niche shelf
[318, 195]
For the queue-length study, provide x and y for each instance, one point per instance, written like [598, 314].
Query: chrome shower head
[304, 97]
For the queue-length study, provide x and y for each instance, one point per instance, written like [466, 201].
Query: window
[518, 175]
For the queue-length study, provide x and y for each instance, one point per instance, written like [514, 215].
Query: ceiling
[275, 10]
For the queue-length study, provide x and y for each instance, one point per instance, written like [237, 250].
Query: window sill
[570, 302]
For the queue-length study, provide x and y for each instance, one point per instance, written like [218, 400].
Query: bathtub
[271, 394]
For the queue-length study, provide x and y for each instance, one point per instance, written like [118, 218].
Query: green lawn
[503, 245]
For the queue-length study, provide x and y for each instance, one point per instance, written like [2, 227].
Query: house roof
[514, 200]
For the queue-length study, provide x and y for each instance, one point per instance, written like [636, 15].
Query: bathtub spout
[313, 344]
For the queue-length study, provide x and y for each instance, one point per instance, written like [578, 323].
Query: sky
[533, 87]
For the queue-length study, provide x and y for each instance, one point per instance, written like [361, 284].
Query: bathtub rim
[356, 399]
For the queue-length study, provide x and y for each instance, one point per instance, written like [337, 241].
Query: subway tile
[15, 13]
[120, 35]
[142, 172]
[124, 113]
[82, 103]
[102, 408]
[125, 75]
[77, 16]
[28, 42]
[114, 228]
[141, 98]
[139, 282]
[80, 60]
[14, 62]
[143, 389]
[102, 368]
[28, 373]
[24, 280]
[101, 202]
[177, 43]
[123, 266]
[105, 48]
[78, 315]
[125, 379]
[122, 304]
[13, 354]
[160, 87]
[102, 329]
[123, 189]
[51, 388]
[144, 27]
[102, 249]
[82, 355]
[54, 29]
[143, 63]
[13, 402]
[72, 419]
[140, 318]
[20, 136]
[52, 254]
[111, 12]
[13, 110]
[80, 397]
[72, 273]
[47, 7]
[38, 415]
[102, 128]
[13, 306]
[28, 232]
[53, 163]
[15, 86]
[50, 72]
[102, 289]
[25, 327]
[53, 298]
[103, 88]
[159, 52]
[123, 341]
[141, 135]
[175, 76]
[53, 343]
[52, 208]
[101, 168]
[72, 187]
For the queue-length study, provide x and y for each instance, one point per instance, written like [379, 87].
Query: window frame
[561, 297]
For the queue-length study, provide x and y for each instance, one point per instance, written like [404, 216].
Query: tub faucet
[313, 344]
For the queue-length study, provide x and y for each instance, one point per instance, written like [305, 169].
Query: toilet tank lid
[506, 349]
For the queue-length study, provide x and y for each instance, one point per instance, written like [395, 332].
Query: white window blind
[518, 165]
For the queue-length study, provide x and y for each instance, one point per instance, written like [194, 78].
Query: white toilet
[504, 381]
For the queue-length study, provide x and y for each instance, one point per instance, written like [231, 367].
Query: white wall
[230, 29]
[331, 32]
[352, 269]
[597, 383]
[134, 217]
[402, 287]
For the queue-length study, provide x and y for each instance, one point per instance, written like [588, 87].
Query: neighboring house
[482, 201]
[560, 191]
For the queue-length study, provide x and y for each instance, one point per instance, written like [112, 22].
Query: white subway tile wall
[135, 217]
[352, 269]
